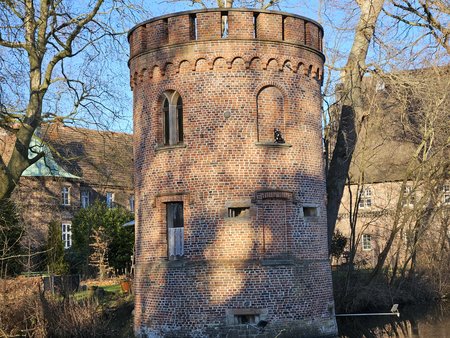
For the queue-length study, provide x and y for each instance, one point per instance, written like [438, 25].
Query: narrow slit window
[180, 119]
[238, 212]
[193, 31]
[254, 25]
[166, 121]
[224, 25]
[283, 23]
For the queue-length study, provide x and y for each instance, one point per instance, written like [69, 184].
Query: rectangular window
[408, 197]
[131, 201]
[239, 212]
[65, 196]
[365, 198]
[67, 235]
[175, 229]
[84, 199]
[109, 199]
[310, 212]
[366, 242]
[246, 319]
[446, 196]
[255, 317]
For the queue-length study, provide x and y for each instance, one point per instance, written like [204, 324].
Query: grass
[112, 288]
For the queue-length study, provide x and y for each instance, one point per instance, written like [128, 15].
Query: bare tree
[40, 81]
[421, 100]
[99, 256]
[431, 15]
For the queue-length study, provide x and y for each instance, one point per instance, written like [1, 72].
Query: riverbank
[416, 321]
[354, 293]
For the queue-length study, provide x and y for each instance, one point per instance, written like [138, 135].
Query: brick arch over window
[271, 114]
[171, 118]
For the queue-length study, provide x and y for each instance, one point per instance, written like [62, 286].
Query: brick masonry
[265, 74]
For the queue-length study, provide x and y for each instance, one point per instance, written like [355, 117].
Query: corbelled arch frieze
[295, 66]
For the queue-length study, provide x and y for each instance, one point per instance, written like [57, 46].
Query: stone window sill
[169, 147]
[273, 144]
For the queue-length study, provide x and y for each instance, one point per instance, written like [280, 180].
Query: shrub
[27, 311]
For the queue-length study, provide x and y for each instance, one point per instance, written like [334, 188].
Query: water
[414, 322]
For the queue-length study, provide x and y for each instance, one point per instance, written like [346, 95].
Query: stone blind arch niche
[270, 113]
[274, 217]
[171, 118]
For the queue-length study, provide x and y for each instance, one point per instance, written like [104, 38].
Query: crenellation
[208, 25]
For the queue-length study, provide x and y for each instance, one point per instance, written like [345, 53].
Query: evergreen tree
[55, 249]
[121, 239]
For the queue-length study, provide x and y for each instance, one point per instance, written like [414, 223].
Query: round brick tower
[231, 235]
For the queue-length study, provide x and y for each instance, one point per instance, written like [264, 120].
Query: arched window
[172, 117]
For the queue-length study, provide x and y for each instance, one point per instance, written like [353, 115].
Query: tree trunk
[10, 173]
[351, 109]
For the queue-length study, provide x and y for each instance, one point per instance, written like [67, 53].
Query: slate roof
[97, 157]
[390, 135]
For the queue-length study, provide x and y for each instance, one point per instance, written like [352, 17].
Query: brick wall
[234, 90]
[40, 201]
